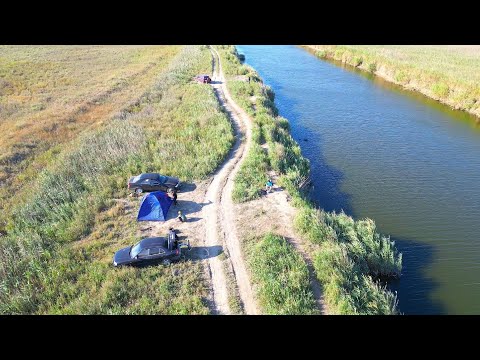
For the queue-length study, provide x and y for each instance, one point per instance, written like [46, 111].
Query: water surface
[406, 161]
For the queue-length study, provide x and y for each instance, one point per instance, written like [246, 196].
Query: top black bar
[237, 22]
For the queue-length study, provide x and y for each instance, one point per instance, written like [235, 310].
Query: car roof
[151, 242]
[149, 176]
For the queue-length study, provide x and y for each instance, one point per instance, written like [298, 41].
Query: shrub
[401, 76]
[357, 61]
[440, 90]
[281, 276]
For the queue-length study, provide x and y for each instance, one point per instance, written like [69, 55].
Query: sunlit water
[408, 162]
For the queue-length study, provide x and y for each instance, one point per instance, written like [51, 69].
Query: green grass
[350, 260]
[280, 276]
[50, 95]
[251, 175]
[175, 127]
[283, 154]
[450, 74]
[350, 256]
[346, 288]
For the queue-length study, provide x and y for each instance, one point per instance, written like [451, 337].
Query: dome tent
[154, 207]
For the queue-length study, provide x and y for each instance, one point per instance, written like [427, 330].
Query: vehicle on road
[153, 182]
[150, 251]
[205, 79]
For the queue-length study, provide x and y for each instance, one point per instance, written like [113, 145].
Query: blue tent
[154, 207]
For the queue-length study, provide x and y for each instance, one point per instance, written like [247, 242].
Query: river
[406, 161]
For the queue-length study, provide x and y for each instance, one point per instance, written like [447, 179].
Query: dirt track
[216, 225]
[224, 227]
[220, 225]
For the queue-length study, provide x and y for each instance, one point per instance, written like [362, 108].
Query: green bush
[346, 288]
[401, 76]
[440, 90]
[357, 61]
[280, 275]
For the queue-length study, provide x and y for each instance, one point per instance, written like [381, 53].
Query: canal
[406, 161]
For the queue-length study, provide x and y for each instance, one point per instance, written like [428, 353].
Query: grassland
[281, 276]
[450, 74]
[64, 227]
[49, 95]
[351, 258]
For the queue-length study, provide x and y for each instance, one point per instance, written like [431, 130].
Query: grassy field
[350, 257]
[49, 95]
[448, 73]
[280, 275]
[57, 251]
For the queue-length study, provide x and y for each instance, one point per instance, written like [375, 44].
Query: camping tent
[154, 207]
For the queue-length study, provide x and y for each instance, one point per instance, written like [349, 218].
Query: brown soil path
[216, 225]
[226, 214]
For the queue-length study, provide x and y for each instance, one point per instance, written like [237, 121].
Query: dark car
[205, 79]
[153, 182]
[151, 251]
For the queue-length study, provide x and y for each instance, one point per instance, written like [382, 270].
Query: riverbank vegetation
[450, 74]
[350, 257]
[56, 254]
[280, 275]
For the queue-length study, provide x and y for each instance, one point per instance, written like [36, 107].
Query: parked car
[152, 250]
[153, 182]
[205, 79]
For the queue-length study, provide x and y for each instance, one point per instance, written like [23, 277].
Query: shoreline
[408, 81]
[349, 280]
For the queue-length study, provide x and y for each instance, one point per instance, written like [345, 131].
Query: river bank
[443, 74]
[381, 152]
[347, 255]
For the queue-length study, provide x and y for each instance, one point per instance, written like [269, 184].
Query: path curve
[220, 228]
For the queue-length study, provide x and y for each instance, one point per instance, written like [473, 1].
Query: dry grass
[457, 63]
[448, 73]
[56, 256]
[51, 94]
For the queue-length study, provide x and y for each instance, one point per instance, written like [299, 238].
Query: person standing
[268, 185]
[174, 196]
[172, 238]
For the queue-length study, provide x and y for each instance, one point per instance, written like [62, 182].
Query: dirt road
[220, 225]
